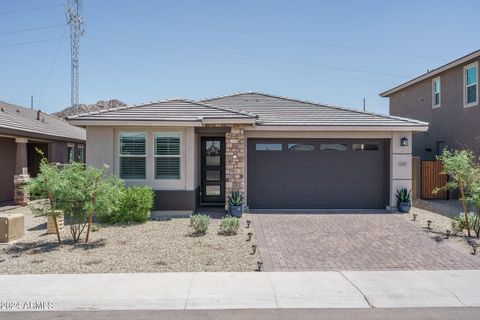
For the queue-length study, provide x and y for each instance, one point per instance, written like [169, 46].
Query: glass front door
[213, 170]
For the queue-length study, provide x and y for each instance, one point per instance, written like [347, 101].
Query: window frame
[82, 158]
[434, 93]
[465, 88]
[70, 155]
[179, 156]
[269, 143]
[120, 155]
[299, 150]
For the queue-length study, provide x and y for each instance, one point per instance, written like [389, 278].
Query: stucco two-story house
[282, 153]
[448, 99]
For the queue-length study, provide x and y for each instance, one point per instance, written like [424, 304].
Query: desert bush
[459, 223]
[229, 225]
[199, 223]
[132, 204]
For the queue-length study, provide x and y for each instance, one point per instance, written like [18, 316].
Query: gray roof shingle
[167, 110]
[281, 111]
[23, 121]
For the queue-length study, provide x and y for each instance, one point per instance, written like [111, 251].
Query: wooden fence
[432, 179]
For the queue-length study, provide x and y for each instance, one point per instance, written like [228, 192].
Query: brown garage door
[313, 173]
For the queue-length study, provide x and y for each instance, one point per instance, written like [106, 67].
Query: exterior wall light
[404, 142]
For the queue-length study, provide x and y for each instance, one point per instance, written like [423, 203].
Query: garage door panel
[307, 177]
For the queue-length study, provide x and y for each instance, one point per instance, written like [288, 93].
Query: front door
[213, 170]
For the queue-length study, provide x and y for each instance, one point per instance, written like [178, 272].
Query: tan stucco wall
[103, 148]
[400, 157]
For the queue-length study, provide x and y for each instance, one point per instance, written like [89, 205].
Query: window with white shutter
[167, 154]
[133, 155]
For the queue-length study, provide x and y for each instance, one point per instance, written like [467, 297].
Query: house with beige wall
[448, 99]
[282, 153]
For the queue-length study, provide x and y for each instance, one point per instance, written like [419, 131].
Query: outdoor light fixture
[474, 248]
[448, 232]
[248, 223]
[254, 248]
[249, 236]
[429, 223]
[403, 142]
[414, 217]
[259, 265]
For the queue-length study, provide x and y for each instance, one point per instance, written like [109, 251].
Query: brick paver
[352, 241]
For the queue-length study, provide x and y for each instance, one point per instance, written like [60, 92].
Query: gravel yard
[440, 224]
[155, 246]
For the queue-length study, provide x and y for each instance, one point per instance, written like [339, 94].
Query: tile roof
[281, 111]
[167, 110]
[17, 120]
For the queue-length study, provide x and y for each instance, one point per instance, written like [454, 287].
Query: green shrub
[199, 223]
[229, 225]
[132, 204]
[459, 224]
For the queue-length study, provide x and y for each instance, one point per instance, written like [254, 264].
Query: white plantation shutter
[133, 155]
[167, 156]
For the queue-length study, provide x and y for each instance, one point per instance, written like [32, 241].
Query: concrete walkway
[255, 290]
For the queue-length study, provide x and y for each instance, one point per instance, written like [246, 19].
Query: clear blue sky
[337, 52]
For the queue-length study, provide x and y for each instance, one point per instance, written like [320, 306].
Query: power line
[33, 29]
[262, 65]
[271, 36]
[107, 67]
[28, 43]
[252, 55]
[51, 67]
[31, 9]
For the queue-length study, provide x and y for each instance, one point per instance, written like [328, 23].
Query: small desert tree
[460, 166]
[76, 191]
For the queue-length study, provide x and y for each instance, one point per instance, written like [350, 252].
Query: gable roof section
[173, 110]
[433, 73]
[17, 120]
[281, 111]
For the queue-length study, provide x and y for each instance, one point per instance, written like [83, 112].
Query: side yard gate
[432, 179]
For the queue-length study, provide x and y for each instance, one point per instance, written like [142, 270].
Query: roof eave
[280, 127]
[149, 123]
[432, 73]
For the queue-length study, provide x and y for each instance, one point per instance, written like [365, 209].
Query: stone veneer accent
[20, 196]
[234, 161]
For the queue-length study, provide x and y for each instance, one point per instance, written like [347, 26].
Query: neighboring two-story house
[448, 99]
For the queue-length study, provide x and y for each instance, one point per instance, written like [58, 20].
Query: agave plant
[403, 195]
[235, 199]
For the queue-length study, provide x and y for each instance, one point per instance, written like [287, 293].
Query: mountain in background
[84, 108]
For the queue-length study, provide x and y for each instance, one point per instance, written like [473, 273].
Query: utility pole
[74, 9]
[31, 102]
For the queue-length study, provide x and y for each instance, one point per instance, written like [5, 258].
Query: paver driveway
[352, 241]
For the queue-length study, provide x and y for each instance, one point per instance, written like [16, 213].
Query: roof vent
[38, 114]
[2, 109]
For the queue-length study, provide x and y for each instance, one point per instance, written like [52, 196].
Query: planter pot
[235, 211]
[404, 207]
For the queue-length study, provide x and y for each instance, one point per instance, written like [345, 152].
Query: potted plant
[404, 200]
[235, 204]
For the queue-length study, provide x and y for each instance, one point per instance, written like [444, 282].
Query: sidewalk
[255, 290]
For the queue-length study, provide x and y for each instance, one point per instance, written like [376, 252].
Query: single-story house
[23, 131]
[282, 153]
